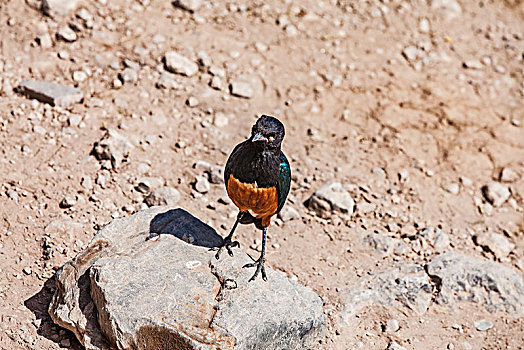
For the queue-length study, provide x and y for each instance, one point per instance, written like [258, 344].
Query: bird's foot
[228, 244]
[260, 268]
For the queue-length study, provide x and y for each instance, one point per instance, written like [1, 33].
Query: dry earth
[430, 92]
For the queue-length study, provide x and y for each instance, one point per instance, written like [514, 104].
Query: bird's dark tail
[247, 219]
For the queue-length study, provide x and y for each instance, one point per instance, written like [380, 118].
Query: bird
[257, 176]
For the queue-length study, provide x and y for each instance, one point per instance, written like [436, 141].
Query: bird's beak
[259, 137]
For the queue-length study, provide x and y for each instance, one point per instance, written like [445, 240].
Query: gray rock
[128, 75]
[126, 292]
[384, 245]
[48, 92]
[179, 64]
[465, 278]
[241, 89]
[483, 325]
[288, 213]
[58, 7]
[188, 5]
[163, 196]
[331, 197]
[202, 184]
[66, 34]
[114, 147]
[495, 242]
[403, 285]
[496, 193]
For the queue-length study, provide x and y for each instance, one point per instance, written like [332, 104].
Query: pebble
[188, 5]
[12, 194]
[45, 40]
[466, 181]
[452, 188]
[288, 213]
[192, 101]
[496, 243]
[167, 81]
[79, 76]
[67, 202]
[163, 196]
[472, 64]
[101, 180]
[496, 193]
[86, 183]
[423, 25]
[128, 75]
[217, 71]
[74, 119]
[27, 270]
[66, 343]
[66, 34]
[392, 326]
[204, 59]
[331, 197]
[215, 174]
[241, 89]
[483, 325]
[216, 83]
[202, 184]
[448, 9]
[395, 346]
[52, 93]
[508, 175]
[179, 64]
[410, 53]
[220, 120]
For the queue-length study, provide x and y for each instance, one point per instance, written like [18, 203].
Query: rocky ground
[405, 135]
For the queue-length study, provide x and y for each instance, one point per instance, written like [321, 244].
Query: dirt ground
[433, 91]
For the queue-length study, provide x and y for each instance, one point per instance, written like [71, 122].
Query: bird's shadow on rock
[184, 226]
[39, 305]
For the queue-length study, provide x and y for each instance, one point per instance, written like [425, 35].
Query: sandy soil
[426, 91]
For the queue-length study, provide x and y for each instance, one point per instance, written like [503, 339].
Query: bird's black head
[268, 132]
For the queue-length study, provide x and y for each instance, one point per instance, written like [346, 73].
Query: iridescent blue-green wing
[284, 181]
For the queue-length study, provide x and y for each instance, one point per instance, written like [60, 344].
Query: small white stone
[79, 76]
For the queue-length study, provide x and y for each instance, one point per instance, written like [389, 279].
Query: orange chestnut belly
[262, 202]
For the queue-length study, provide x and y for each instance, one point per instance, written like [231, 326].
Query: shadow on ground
[39, 304]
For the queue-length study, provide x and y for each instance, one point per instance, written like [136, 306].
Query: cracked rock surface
[126, 292]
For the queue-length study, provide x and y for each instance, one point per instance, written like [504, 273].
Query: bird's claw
[228, 244]
[260, 269]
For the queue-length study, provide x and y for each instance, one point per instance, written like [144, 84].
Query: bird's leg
[260, 262]
[227, 242]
